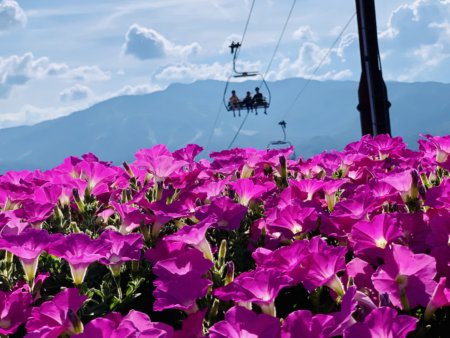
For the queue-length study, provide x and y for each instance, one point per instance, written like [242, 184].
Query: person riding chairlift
[248, 102]
[233, 103]
[258, 101]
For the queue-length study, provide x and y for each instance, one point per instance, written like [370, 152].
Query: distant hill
[323, 118]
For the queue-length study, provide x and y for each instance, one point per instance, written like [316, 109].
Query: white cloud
[11, 15]
[304, 33]
[137, 90]
[146, 43]
[306, 65]
[191, 72]
[348, 42]
[75, 93]
[188, 72]
[30, 115]
[85, 74]
[417, 41]
[228, 40]
[17, 70]
[247, 132]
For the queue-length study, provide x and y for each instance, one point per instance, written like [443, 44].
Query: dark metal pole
[373, 100]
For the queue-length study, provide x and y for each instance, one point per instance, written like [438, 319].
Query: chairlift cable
[319, 65]
[213, 128]
[269, 65]
[235, 56]
[238, 131]
[281, 37]
[246, 26]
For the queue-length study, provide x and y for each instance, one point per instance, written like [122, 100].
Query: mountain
[323, 117]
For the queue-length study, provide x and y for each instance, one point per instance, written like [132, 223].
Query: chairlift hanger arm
[235, 50]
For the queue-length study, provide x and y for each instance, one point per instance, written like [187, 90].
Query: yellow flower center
[381, 243]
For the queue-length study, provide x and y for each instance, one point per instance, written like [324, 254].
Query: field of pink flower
[250, 244]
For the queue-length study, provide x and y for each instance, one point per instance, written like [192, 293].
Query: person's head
[233, 92]
[257, 89]
[248, 93]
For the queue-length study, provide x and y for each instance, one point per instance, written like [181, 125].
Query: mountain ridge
[323, 118]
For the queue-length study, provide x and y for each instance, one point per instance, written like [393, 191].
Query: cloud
[77, 101]
[29, 115]
[310, 56]
[416, 41]
[146, 43]
[86, 74]
[247, 132]
[11, 15]
[17, 70]
[228, 40]
[189, 72]
[137, 90]
[75, 93]
[303, 33]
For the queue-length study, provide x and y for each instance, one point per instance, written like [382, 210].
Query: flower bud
[76, 324]
[128, 169]
[222, 253]
[229, 277]
[78, 201]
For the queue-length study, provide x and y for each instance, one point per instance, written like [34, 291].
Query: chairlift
[281, 143]
[242, 104]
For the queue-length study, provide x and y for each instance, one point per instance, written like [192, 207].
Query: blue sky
[57, 56]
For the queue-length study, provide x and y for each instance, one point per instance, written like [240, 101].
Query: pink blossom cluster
[250, 244]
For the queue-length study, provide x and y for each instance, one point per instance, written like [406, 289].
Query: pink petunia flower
[406, 277]
[346, 213]
[189, 262]
[138, 324]
[285, 259]
[403, 182]
[28, 246]
[192, 326]
[35, 213]
[180, 293]
[96, 174]
[130, 217]
[79, 250]
[258, 286]
[15, 309]
[101, 327]
[164, 250]
[321, 265]
[330, 188]
[310, 326]
[195, 236]
[383, 322]
[134, 324]
[240, 322]
[293, 220]
[439, 298]
[321, 325]
[361, 272]
[228, 214]
[123, 248]
[158, 161]
[370, 238]
[309, 187]
[247, 190]
[57, 316]
[441, 145]
[439, 197]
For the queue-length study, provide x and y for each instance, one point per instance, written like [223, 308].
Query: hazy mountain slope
[323, 118]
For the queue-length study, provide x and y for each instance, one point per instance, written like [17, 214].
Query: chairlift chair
[236, 75]
[281, 143]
